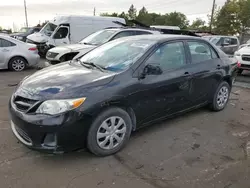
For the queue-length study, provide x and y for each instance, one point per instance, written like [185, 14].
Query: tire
[221, 97]
[17, 64]
[240, 71]
[102, 146]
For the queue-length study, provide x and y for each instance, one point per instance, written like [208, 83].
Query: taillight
[238, 64]
[33, 49]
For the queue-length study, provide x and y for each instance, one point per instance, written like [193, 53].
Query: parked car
[243, 57]
[243, 45]
[68, 52]
[98, 100]
[64, 30]
[17, 55]
[24, 32]
[228, 44]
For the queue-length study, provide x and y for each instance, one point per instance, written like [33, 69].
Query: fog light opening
[50, 140]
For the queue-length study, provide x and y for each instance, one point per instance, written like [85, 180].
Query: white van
[64, 30]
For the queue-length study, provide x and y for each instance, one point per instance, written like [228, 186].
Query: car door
[6, 47]
[226, 45]
[166, 93]
[61, 36]
[205, 68]
[233, 45]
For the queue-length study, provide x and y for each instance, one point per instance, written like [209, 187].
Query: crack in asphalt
[153, 181]
[74, 178]
[15, 158]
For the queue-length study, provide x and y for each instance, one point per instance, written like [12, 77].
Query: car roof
[163, 37]
[133, 29]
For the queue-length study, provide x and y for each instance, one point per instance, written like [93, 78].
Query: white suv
[68, 52]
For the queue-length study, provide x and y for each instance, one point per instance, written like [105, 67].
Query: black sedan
[98, 100]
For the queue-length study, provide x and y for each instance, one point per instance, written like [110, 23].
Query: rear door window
[5, 43]
[201, 51]
[234, 41]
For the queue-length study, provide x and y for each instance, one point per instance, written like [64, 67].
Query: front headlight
[237, 54]
[53, 107]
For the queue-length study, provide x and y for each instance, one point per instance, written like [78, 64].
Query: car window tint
[5, 43]
[201, 52]
[124, 34]
[227, 40]
[169, 56]
[61, 33]
[142, 33]
[234, 41]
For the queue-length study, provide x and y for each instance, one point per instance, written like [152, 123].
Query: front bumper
[245, 65]
[50, 134]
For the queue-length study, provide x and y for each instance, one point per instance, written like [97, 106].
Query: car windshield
[24, 30]
[98, 37]
[214, 40]
[48, 29]
[118, 55]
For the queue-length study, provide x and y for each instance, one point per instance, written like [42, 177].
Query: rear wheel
[109, 132]
[17, 64]
[221, 96]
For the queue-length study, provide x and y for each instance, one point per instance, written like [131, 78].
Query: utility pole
[94, 11]
[212, 16]
[26, 17]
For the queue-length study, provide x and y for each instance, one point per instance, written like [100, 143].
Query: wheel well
[16, 57]
[228, 80]
[129, 110]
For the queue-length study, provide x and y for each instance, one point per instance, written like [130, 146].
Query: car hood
[38, 37]
[244, 50]
[71, 48]
[63, 81]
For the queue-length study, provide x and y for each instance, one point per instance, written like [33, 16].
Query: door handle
[5, 50]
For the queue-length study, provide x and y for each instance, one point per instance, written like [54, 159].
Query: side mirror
[151, 70]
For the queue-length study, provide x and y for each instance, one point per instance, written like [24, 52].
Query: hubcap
[222, 96]
[18, 65]
[111, 133]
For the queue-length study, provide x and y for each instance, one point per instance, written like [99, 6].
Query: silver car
[17, 55]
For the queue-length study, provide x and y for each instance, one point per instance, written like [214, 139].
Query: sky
[12, 11]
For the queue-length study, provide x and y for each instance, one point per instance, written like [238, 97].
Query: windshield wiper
[93, 65]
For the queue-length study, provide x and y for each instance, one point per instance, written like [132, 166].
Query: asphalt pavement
[198, 149]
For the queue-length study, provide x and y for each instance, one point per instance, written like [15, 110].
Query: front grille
[23, 104]
[245, 66]
[246, 57]
[23, 134]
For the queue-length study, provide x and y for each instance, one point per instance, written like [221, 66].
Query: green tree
[198, 24]
[1, 28]
[144, 16]
[226, 21]
[177, 19]
[132, 12]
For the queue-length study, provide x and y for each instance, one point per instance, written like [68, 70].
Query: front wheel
[109, 132]
[221, 96]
